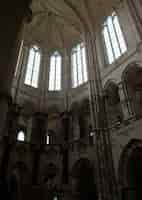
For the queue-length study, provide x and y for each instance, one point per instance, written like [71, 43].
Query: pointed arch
[113, 104]
[126, 154]
[131, 78]
[55, 71]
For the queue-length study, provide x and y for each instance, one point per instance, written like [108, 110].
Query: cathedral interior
[71, 100]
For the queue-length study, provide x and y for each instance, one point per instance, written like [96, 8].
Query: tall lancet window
[55, 72]
[79, 66]
[33, 67]
[115, 44]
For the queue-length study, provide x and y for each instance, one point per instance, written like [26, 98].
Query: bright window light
[79, 66]
[113, 38]
[33, 66]
[21, 136]
[47, 139]
[55, 72]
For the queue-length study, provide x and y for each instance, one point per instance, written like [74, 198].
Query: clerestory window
[33, 67]
[115, 44]
[55, 72]
[79, 65]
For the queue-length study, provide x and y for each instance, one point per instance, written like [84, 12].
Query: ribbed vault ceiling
[62, 21]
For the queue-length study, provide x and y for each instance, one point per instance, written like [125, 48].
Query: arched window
[21, 136]
[55, 72]
[79, 66]
[47, 139]
[33, 66]
[113, 38]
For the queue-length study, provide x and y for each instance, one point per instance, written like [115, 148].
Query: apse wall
[43, 100]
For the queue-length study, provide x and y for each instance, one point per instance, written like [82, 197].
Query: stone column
[9, 142]
[21, 71]
[38, 138]
[106, 181]
[124, 102]
[9, 139]
[13, 14]
[66, 77]
[65, 162]
[66, 70]
[42, 82]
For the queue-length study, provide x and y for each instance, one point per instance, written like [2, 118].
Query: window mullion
[105, 49]
[55, 78]
[116, 34]
[72, 70]
[33, 67]
[77, 68]
[82, 67]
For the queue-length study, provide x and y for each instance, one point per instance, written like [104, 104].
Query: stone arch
[50, 172]
[53, 50]
[113, 104]
[129, 171]
[83, 179]
[131, 77]
[129, 68]
[108, 82]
